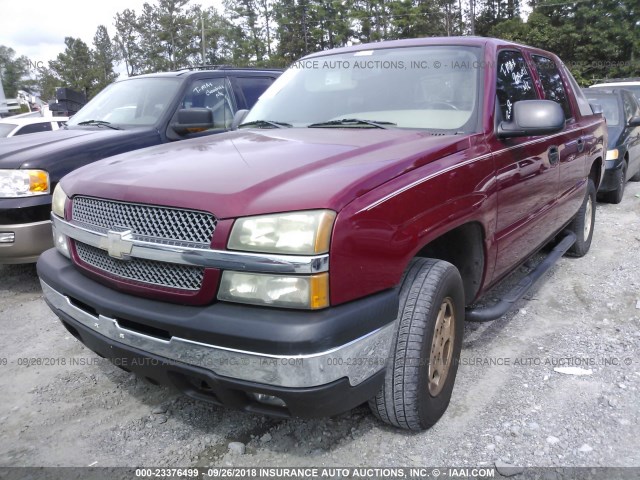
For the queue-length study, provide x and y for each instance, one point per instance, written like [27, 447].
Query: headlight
[612, 154]
[23, 183]
[309, 292]
[59, 201]
[301, 233]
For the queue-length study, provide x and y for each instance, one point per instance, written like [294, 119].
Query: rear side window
[34, 128]
[514, 82]
[552, 83]
[252, 88]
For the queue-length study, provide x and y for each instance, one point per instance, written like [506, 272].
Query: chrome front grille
[147, 222]
[183, 277]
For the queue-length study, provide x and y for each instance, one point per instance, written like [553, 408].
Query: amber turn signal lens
[38, 181]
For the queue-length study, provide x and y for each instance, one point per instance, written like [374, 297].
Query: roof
[471, 41]
[621, 83]
[30, 120]
[188, 71]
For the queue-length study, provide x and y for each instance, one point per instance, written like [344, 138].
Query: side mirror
[533, 117]
[634, 121]
[238, 118]
[193, 120]
[596, 108]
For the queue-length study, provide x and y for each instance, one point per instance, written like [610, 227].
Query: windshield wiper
[345, 122]
[99, 123]
[266, 123]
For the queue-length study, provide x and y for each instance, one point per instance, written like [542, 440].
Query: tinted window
[214, 94]
[34, 128]
[552, 83]
[513, 83]
[252, 88]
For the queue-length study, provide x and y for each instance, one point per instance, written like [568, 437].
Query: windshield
[433, 87]
[6, 129]
[609, 104]
[133, 102]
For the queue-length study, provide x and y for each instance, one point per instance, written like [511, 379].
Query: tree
[13, 71]
[73, 67]
[104, 57]
[47, 83]
[245, 13]
[127, 41]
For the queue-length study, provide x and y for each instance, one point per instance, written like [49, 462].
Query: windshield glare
[433, 87]
[134, 102]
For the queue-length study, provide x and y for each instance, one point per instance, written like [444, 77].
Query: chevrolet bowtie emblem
[118, 243]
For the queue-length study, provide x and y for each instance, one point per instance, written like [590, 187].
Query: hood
[62, 150]
[250, 172]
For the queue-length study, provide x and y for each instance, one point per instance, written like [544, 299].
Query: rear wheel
[583, 223]
[615, 196]
[423, 361]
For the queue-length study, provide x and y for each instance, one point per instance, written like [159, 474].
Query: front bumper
[611, 178]
[29, 241]
[318, 363]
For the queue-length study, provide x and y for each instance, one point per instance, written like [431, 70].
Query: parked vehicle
[127, 115]
[11, 127]
[622, 111]
[631, 84]
[323, 254]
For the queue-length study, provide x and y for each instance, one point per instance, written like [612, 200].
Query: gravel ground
[508, 405]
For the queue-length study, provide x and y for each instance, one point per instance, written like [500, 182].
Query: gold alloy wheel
[442, 347]
[587, 218]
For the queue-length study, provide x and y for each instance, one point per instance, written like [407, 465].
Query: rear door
[572, 143]
[249, 88]
[527, 171]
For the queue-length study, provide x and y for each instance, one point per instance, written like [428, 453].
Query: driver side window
[514, 82]
[214, 94]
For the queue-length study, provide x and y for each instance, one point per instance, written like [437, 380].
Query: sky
[37, 28]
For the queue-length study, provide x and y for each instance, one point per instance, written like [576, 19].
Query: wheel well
[463, 248]
[594, 174]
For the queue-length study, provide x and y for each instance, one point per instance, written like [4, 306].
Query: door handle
[554, 155]
[580, 145]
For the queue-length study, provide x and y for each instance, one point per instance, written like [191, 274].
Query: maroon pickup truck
[327, 251]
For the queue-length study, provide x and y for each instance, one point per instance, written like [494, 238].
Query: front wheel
[583, 223]
[424, 356]
[615, 196]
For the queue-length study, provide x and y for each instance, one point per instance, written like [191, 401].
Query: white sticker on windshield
[332, 78]
[363, 53]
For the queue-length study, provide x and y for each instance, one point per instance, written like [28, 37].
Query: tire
[583, 223]
[431, 295]
[615, 196]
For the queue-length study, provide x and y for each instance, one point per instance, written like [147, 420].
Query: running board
[487, 314]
